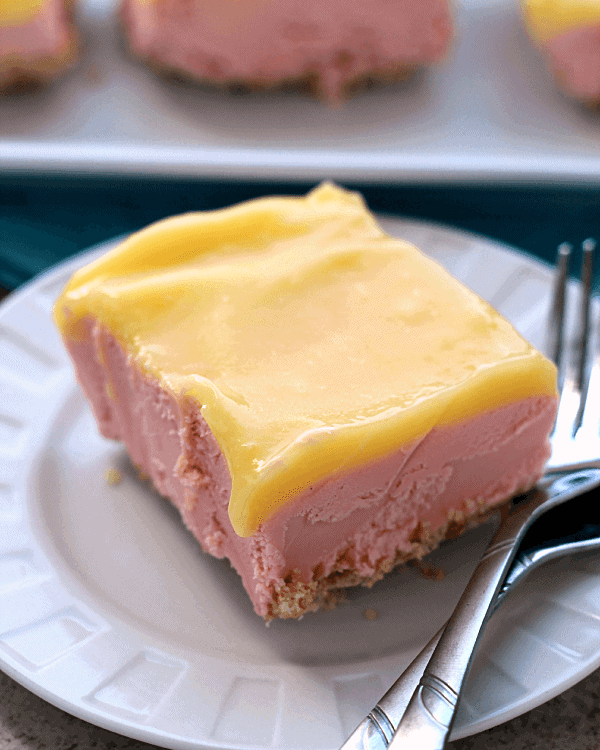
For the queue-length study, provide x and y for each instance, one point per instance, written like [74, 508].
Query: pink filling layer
[574, 60]
[272, 40]
[44, 36]
[357, 521]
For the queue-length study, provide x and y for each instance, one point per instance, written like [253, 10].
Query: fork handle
[427, 721]
[430, 713]
[453, 653]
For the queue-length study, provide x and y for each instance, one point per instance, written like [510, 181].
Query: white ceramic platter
[109, 609]
[489, 112]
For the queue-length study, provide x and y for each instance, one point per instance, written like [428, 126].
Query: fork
[419, 709]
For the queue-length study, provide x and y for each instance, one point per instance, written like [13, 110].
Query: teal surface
[46, 219]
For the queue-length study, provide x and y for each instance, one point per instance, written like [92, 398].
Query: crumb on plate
[113, 477]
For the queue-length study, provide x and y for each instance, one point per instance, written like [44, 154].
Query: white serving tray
[489, 113]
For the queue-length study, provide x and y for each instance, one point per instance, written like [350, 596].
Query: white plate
[490, 112]
[109, 609]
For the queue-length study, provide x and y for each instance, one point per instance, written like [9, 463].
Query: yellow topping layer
[547, 19]
[14, 12]
[314, 342]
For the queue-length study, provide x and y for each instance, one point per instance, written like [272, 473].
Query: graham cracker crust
[308, 84]
[294, 598]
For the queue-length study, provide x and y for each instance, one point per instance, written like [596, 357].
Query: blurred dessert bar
[38, 42]
[330, 47]
[567, 33]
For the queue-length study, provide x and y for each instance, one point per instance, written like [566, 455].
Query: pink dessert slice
[307, 487]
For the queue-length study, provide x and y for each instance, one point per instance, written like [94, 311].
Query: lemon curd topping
[19, 11]
[547, 19]
[313, 342]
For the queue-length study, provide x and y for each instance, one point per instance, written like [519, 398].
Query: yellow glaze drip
[547, 19]
[14, 12]
[314, 342]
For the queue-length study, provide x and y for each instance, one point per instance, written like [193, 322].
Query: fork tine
[573, 356]
[557, 310]
[584, 334]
